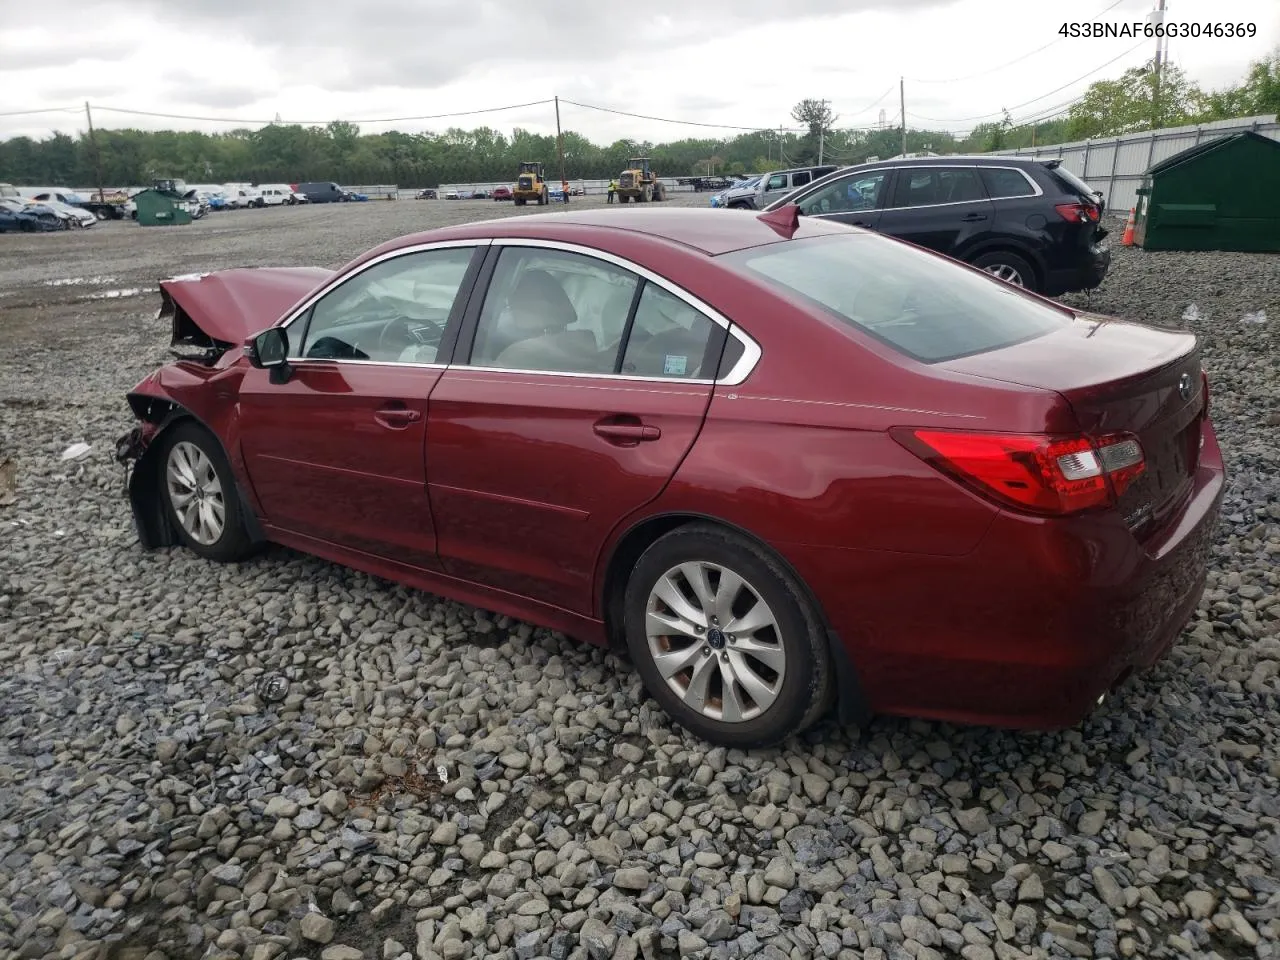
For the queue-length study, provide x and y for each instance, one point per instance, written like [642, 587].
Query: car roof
[985, 160]
[704, 229]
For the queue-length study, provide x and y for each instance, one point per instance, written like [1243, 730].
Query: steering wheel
[407, 334]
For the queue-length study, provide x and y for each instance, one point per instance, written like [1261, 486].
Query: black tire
[519, 201]
[233, 543]
[807, 685]
[1009, 263]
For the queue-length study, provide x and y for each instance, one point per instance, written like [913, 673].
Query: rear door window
[922, 305]
[800, 179]
[1004, 182]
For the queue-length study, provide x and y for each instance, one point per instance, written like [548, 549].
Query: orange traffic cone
[1127, 238]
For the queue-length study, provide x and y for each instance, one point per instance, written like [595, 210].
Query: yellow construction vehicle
[531, 184]
[639, 183]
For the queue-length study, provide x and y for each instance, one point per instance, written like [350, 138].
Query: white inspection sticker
[675, 366]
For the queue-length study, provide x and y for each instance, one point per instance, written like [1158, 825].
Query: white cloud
[719, 62]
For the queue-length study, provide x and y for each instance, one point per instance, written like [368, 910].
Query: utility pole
[97, 160]
[822, 130]
[560, 142]
[902, 103]
[1161, 47]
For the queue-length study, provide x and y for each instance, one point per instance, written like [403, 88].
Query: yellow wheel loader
[639, 183]
[531, 184]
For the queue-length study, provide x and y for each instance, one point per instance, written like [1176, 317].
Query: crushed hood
[213, 312]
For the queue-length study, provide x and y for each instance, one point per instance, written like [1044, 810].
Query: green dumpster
[160, 208]
[1223, 194]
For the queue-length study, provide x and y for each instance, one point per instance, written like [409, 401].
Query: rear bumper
[1030, 629]
[1087, 275]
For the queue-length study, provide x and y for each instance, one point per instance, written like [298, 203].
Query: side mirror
[268, 349]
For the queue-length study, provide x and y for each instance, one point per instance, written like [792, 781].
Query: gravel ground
[245, 762]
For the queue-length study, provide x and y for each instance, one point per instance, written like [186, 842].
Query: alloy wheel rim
[196, 493]
[715, 641]
[1002, 271]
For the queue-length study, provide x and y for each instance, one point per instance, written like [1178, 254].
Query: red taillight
[1034, 472]
[1077, 212]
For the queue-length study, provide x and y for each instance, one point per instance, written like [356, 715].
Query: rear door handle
[396, 417]
[629, 433]
[973, 217]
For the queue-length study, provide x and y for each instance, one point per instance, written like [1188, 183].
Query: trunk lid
[1119, 377]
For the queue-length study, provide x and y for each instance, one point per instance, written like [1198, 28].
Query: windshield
[927, 307]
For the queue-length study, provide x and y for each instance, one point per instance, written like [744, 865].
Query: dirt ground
[48, 280]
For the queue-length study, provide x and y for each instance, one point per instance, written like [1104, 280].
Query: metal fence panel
[1117, 165]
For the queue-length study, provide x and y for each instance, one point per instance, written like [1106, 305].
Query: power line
[986, 73]
[987, 116]
[27, 113]
[879, 100]
[436, 116]
[688, 123]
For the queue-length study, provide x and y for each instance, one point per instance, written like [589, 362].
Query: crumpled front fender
[141, 450]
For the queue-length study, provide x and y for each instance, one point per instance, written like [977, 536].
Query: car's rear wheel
[1008, 267]
[725, 639]
[200, 494]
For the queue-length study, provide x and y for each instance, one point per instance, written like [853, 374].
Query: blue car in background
[16, 216]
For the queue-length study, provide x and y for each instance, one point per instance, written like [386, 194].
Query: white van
[277, 194]
[243, 195]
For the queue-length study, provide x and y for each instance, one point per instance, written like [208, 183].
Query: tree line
[1137, 100]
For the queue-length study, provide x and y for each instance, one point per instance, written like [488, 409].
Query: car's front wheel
[200, 494]
[1008, 267]
[725, 639]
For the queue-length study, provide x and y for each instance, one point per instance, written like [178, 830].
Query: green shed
[157, 208]
[1223, 194]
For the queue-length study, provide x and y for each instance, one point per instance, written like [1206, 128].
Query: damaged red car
[788, 465]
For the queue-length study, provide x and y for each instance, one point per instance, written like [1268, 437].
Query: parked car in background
[721, 199]
[428, 193]
[502, 193]
[46, 213]
[323, 192]
[451, 195]
[277, 194]
[976, 505]
[67, 197]
[241, 196]
[19, 216]
[771, 186]
[76, 216]
[1025, 220]
[215, 199]
[356, 196]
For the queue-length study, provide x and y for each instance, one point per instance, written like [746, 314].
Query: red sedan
[784, 463]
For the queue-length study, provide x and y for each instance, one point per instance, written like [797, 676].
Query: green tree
[1136, 101]
[818, 118]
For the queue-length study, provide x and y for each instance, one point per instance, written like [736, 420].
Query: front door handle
[396, 417]
[973, 217]
[626, 433]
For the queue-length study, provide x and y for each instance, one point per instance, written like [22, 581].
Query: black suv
[1029, 222]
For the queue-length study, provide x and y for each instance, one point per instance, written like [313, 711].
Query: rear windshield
[926, 307]
[1073, 182]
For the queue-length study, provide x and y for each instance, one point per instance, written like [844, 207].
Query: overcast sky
[742, 63]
